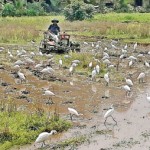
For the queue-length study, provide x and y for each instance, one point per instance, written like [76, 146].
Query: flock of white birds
[21, 58]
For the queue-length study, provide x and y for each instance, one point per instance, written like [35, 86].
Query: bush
[9, 10]
[35, 9]
[78, 10]
[20, 8]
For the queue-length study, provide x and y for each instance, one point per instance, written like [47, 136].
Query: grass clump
[19, 128]
[73, 142]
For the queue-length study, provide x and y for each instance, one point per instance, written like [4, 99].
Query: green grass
[19, 128]
[125, 26]
[123, 17]
[24, 29]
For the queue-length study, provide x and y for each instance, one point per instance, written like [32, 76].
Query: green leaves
[78, 10]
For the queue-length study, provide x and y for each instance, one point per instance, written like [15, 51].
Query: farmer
[54, 28]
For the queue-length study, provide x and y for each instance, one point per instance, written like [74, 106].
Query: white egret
[107, 62]
[105, 57]
[147, 97]
[40, 53]
[105, 49]
[90, 64]
[122, 56]
[135, 46]
[106, 77]
[19, 62]
[98, 45]
[38, 66]
[130, 63]
[1, 49]
[29, 61]
[76, 61]
[44, 136]
[105, 54]
[109, 113]
[132, 58]
[113, 46]
[97, 69]
[72, 69]
[85, 43]
[129, 82]
[47, 70]
[92, 44]
[60, 63]
[124, 51]
[8, 52]
[67, 56]
[126, 46]
[146, 64]
[21, 76]
[49, 56]
[111, 66]
[140, 55]
[141, 77]
[49, 93]
[93, 74]
[127, 89]
[73, 112]
[16, 68]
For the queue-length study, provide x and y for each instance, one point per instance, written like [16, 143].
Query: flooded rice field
[81, 90]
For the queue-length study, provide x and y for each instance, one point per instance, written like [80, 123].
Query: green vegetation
[22, 8]
[78, 10]
[123, 17]
[128, 27]
[85, 58]
[22, 127]
[24, 29]
[72, 142]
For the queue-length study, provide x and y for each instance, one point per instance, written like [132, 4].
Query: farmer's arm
[49, 28]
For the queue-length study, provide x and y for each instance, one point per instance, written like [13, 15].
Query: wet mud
[91, 98]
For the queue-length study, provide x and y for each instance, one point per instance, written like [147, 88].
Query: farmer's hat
[55, 20]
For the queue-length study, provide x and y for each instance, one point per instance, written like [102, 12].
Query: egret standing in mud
[106, 77]
[130, 63]
[93, 74]
[44, 136]
[97, 69]
[73, 112]
[127, 89]
[47, 71]
[49, 93]
[72, 69]
[21, 76]
[147, 64]
[135, 46]
[147, 97]
[129, 82]
[90, 65]
[141, 77]
[60, 63]
[109, 113]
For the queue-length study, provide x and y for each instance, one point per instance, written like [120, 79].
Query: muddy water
[131, 113]
[89, 98]
[131, 124]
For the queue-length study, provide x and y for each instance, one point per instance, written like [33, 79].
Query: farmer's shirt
[54, 28]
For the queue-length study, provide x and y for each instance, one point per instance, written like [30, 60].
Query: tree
[78, 10]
